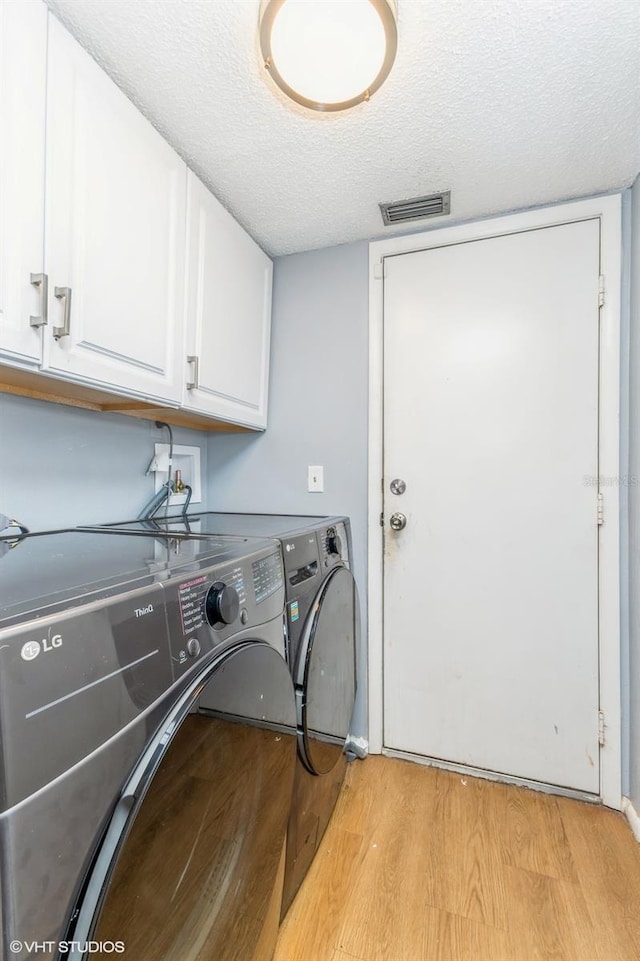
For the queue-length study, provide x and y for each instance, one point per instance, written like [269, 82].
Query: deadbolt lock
[398, 486]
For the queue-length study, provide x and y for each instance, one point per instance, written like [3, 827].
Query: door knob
[398, 521]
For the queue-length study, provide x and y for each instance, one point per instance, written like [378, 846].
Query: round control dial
[334, 544]
[222, 604]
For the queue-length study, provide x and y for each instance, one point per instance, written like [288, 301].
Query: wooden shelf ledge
[38, 386]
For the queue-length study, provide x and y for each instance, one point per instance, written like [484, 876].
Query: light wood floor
[425, 865]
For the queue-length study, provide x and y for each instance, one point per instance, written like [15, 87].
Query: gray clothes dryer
[148, 747]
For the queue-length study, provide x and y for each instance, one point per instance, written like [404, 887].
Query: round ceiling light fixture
[328, 55]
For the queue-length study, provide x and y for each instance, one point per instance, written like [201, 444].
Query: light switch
[315, 479]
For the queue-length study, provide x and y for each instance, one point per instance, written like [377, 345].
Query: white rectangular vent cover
[417, 208]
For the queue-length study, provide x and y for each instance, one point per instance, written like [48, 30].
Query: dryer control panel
[333, 542]
[301, 562]
[308, 559]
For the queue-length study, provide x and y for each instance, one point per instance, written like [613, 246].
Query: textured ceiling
[509, 103]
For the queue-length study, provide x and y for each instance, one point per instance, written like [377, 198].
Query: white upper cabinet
[23, 57]
[101, 225]
[228, 314]
[115, 234]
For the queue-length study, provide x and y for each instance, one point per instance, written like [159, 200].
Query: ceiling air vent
[417, 208]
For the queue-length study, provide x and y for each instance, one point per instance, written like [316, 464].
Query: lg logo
[31, 649]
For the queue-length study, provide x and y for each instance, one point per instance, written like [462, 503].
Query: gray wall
[62, 466]
[317, 408]
[634, 505]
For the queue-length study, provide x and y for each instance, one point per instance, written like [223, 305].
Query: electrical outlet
[315, 479]
[187, 461]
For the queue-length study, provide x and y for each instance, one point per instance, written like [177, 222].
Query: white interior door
[491, 418]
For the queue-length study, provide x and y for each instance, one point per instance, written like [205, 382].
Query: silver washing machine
[148, 747]
[322, 627]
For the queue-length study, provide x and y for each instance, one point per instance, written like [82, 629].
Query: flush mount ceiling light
[328, 54]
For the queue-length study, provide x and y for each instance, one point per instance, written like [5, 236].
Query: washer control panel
[206, 607]
[191, 602]
[267, 576]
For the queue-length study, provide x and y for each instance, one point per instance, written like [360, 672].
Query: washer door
[326, 672]
[192, 865]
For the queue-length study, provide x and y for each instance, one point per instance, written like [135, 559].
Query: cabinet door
[23, 58]
[114, 233]
[228, 314]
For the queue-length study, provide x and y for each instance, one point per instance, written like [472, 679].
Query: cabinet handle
[41, 281]
[63, 293]
[193, 359]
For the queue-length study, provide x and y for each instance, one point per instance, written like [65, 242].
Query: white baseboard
[632, 817]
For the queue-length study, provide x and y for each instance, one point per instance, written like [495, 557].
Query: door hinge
[382, 519]
[601, 728]
[600, 509]
[601, 290]
[380, 270]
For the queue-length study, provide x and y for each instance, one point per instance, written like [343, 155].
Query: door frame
[608, 209]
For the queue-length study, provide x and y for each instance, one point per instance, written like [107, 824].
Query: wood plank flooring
[420, 864]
